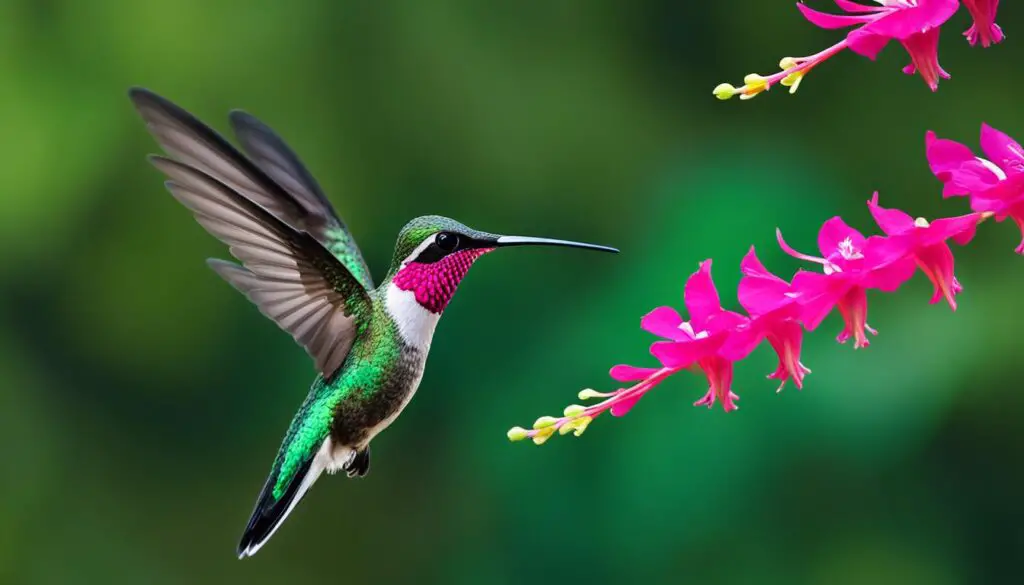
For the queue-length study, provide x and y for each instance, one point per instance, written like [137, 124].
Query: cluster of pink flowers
[914, 23]
[779, 311]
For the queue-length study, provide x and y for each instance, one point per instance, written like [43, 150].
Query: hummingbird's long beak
[503, 241]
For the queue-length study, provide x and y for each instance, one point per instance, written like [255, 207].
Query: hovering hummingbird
[301, 267]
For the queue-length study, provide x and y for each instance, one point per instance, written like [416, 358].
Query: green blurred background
[143, 400]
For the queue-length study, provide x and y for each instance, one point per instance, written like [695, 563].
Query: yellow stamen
[541, 437]
[517, 434]
[787, 63]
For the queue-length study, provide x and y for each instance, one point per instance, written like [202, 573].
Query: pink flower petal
[855, 8]
[1002, 150]
[892, 264]
[866, 43]
[984, 28]
[961, 229]
[725, 322]
[835, 233]
[701, 297]
[904, 22]
[854, 308]
[923, 48]
[830, 21]
[740, 343]
[760, 291]
[789, 250]
[786, 338]
[937, 264]
[681, 354]
[719, 374]
[892, 221]
[664, 322]
[956, 166]
[621, 408]
[625, 373]
[818, 296]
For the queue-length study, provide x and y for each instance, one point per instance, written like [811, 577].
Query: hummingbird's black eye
[447, 241]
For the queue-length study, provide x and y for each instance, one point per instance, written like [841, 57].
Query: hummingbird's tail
[270, 512]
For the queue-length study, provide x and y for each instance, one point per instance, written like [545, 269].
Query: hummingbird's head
[434, 253]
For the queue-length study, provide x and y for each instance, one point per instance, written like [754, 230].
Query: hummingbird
[299, 264]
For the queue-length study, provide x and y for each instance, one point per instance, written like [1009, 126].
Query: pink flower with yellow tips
[779, 311]
[913, 23]
[710, 342]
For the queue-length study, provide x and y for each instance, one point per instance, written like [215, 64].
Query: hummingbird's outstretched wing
[287, 273]
[276, 180]
[270, 152]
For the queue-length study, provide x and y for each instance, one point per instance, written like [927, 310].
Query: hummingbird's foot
[359, 464]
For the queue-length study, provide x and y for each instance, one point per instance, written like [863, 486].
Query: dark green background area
[143, 400]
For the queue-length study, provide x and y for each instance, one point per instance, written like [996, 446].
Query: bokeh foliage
[144, 399]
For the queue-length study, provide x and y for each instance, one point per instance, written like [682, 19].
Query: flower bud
[544, 422]
[517, 434]
[724, 91]
[787, 63]
[574, 410]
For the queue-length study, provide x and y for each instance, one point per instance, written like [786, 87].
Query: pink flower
[852, 264]
[914, 23]
[984, 28]
[774, 310]
[927, 244]
[708, 340]
[995, 184]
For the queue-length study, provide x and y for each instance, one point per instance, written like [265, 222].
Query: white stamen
[848, 251]
[999, 173]
[686, 328]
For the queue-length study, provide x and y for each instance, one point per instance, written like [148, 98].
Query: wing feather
[273, 178]
[286, 273]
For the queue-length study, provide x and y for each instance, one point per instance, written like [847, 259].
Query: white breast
[415, 324]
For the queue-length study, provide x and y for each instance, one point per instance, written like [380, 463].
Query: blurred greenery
[144, 399]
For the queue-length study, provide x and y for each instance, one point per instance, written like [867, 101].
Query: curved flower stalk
[915, 24]
[778, 311]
